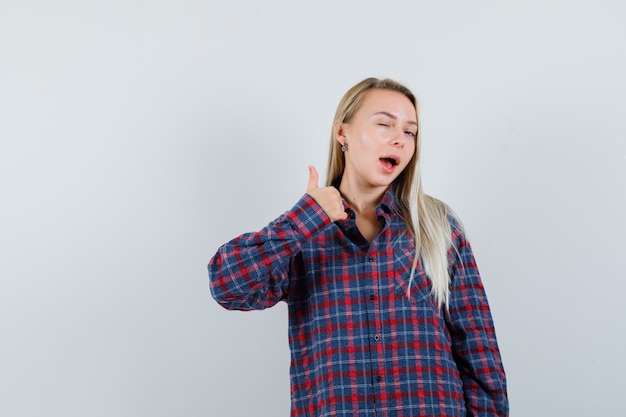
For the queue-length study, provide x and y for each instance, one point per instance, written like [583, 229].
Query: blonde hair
[425, 217]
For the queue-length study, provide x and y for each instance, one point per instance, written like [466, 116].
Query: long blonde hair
[425, 217]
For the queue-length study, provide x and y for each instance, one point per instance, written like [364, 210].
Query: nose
[397, 138]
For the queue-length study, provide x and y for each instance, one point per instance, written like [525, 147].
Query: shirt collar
[388, 205]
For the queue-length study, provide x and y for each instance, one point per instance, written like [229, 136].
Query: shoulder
[448, 215]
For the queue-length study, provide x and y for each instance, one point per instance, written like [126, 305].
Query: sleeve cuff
[308, 216]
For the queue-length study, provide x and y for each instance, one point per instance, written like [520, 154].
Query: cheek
[411, 149]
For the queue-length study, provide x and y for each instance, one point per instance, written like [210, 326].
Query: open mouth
[389, 161]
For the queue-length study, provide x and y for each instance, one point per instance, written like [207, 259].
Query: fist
[327, 197]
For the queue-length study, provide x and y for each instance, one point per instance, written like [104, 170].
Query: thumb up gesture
[327, 197]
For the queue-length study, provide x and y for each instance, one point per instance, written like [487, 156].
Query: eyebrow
[393, 117]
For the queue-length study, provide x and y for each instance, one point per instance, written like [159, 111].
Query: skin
[384, 126]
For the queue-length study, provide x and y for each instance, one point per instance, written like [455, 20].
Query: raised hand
[327, 197]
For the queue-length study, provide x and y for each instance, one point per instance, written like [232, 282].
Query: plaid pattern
[359, 345]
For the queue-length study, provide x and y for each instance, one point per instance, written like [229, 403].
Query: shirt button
[377, 338]
[370, 259]
[378, 378]
[372, 297]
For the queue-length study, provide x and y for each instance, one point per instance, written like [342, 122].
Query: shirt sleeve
[251, 272]
[474, 343]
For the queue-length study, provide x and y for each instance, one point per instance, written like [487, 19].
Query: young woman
[387, 312]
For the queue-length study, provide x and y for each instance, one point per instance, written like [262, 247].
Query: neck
[362, 199]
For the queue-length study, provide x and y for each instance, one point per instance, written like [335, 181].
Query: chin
[384, 182]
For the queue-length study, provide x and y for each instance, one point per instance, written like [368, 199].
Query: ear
[342, 135]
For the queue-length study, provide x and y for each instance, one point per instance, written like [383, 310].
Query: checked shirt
[359, 345]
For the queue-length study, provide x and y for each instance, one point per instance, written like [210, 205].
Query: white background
[138, 136]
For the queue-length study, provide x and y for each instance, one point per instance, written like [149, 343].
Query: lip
[388, 167]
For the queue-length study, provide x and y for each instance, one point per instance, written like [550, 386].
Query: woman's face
[380, 138]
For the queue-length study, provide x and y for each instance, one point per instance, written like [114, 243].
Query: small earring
[344, 148]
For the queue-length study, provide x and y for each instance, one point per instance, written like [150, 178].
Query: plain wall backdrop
[137, 137]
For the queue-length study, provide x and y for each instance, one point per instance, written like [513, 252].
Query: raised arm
[251, 271]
